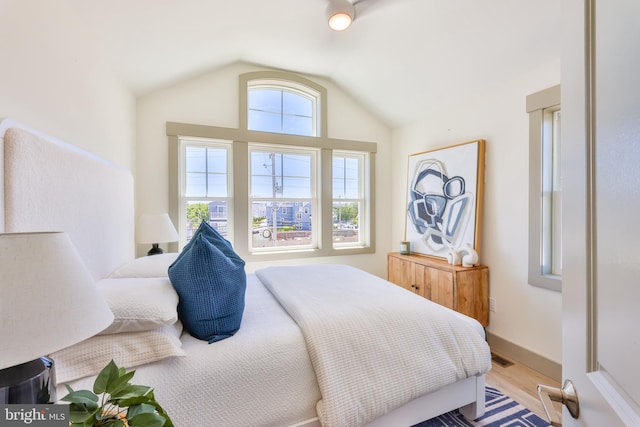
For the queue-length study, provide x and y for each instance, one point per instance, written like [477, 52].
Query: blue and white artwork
[442, 198]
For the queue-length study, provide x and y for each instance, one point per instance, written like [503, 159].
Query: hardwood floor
[520, 383]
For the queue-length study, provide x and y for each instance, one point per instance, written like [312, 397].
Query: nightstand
[463, 289]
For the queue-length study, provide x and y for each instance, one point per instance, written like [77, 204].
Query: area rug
[501, 411]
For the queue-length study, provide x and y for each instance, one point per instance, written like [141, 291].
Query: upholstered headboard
[50, 185]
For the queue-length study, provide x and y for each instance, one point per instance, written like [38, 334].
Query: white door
[601, 210]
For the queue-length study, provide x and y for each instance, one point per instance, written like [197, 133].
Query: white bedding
[374, 346]
[262, 376]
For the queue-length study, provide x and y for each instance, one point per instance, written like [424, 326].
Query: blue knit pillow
[211, 234]
[210, 280]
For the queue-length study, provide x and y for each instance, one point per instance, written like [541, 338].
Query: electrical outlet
[492, 304]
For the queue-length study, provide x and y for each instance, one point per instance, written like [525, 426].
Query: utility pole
[274, 234]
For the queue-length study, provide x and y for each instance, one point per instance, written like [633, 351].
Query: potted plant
[115, 402]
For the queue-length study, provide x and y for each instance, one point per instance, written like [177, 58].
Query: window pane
[296, 187]
[298, 125]
[348, 199]
[346, 217]
[293, 103]
[551, 198]
[262, 186]
[216, 185]
[196, 185]
[281, 224]
[281, 111]
[215, 213]
[280, 175]
[265, 100]
[264, 121]
[216, 160]
[346, 177]
[556, 201]
[206, 172]
[196, 160]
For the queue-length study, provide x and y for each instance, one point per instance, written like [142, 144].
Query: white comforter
[262, 376]
[374, 346]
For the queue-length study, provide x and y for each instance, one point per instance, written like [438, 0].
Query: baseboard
[526, 357]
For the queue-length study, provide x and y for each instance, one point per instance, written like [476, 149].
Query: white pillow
[127, 350]
[139, 304]
[148, 266]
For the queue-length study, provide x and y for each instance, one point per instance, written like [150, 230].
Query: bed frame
[49, 185]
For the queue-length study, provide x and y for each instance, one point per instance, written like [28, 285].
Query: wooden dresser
[463, 289]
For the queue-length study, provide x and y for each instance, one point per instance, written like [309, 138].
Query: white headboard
[50, 185]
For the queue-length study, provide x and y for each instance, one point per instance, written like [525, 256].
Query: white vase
[469, 256]
[453, 257]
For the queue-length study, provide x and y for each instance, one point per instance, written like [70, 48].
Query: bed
[375, 355]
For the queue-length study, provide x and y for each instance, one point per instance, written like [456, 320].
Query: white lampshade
[48, 299]
[155, 228]
[341, 14]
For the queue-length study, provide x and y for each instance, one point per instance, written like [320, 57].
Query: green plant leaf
[115, 386]
[163, 413]
[142, 408]
[159, 409]
[80, 414]
[88, 409]
[130, 391]
[82, 397]
[108, 374]
[146, 420]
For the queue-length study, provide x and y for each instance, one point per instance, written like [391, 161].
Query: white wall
[52, 78]
[212, 99]
[525, 315]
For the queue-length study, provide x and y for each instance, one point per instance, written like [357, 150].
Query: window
[545, 192]
[282, 107]
[551, 195]
[282, 196]
[205, 186]
[349, 202]
[287, 190]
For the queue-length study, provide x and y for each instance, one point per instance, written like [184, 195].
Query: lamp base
[155, 249]
[31, 382]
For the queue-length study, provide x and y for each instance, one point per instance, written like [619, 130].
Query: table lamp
[155, 229]
[48, 301]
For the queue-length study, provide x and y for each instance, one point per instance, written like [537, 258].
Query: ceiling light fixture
[341, 14]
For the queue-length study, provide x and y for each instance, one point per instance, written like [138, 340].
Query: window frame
[540, 107]
[241, 138]
[313, 197]
[292, 87]
[183, 199]
[363, 199]
[283, 79]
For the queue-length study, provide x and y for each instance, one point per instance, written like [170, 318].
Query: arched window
[288, 191]
[282, 107]
[279, 102]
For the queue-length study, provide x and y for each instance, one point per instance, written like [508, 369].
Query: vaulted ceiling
[401, 58]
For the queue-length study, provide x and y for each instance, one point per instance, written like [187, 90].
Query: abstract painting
[444, 198]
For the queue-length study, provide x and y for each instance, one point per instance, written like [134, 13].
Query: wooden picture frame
[444, 199]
